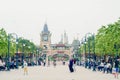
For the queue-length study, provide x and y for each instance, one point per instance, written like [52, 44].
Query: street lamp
[85, 53]
[16, 50]
[88, 35]
[17, 53]
[8, 55]
[23, 45]
[80, 53]
[29, 54]
[33, 50]
[83, 41]
[94, 56]
[93, 37]
[36, 56]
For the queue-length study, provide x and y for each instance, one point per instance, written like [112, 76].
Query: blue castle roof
[45, 29]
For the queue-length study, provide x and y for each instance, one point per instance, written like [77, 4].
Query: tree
[107, 37]
[29, 46]
[3, 42]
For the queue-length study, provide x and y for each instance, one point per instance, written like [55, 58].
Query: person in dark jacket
[116, 68]
[71, 65]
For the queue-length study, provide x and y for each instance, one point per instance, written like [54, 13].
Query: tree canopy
[29, 46]
[107, 40]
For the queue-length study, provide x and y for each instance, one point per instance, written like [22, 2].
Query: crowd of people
[110, 65]
[2, 65]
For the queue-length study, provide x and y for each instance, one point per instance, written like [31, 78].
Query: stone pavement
[59, 72]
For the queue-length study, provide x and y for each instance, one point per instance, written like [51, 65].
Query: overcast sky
[27, 17]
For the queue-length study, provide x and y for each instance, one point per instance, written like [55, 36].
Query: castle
[60, 51]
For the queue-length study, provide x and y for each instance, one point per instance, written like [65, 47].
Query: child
[25, 68]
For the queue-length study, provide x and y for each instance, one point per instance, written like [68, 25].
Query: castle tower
[61, 41]
[65, 38]
[45, 38]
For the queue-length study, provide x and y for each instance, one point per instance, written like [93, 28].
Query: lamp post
[8, 55]
[85, 53]
[36, 56]
[89, 49]
[93, 37]
[80, 54]
[83, 41]
[16, 49]
[16, 52]
[87, 36]
[23, 45]
[29, 54]
[94, 56]
[93, 40]
[32, 55]
[32, 52]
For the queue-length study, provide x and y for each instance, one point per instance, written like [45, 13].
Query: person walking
[25, 68]
[54, 63]
[116, 68]
[71, 65]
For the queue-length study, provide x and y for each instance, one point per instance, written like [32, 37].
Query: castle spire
[65, 38]
[45, 28]
[61, 41]
[62, 38]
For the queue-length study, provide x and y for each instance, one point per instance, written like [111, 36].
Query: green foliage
[29, 47]
[3, 42]
[105, 41]
[106, 38]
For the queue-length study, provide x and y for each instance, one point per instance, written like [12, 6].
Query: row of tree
[29, 47]
[107, 40]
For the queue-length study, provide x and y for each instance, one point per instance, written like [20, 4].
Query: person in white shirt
[25, 68]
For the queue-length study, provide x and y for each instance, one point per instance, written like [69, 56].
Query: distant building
[60, 51]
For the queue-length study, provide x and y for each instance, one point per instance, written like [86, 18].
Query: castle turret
[45, 37]
[65, 38]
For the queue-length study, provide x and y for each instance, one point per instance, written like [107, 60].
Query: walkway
[55, 73]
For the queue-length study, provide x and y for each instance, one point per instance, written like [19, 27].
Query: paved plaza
[60, 72]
